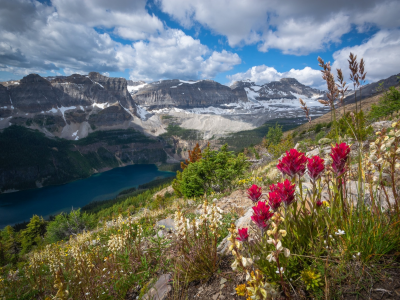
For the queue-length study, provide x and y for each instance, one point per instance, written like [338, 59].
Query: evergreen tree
[33, 234]
[274, 135]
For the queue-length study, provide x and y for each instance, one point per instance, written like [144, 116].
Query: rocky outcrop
[58, 106]
[286, 88]
[184, 94]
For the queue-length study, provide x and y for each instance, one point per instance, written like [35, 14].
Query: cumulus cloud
[381, 55]
[264, 74]
[176, 55]
[77, 37]
[295, 27]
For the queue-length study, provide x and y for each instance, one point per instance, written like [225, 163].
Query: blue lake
[20, 206]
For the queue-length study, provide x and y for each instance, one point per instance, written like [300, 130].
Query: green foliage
[318, 128]
[186, 134]
[389, 103]
[357, 130]
[9, 246]
[277, 149]
[65, 225]
[274, 135]
[319, 136]
[33, 234]
[215, 171]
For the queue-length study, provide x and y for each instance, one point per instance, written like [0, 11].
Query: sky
[222, 40]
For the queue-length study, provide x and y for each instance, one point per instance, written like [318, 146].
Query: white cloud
[219, 62]
[381, 55]
[67, 36]
[176, 55]
[295, 27]
[264, 74]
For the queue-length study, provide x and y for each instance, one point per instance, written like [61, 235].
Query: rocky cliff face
[68, 106]
[286, 88]
[184, 94]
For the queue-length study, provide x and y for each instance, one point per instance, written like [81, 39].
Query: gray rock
[312, 152]
[160, 289]
[243, 221]
[166, 223]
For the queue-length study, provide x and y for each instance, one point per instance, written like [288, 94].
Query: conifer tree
[33, 234]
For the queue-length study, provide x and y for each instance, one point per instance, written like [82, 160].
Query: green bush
[65, 225]
[215, 171]
[318, 128]
[274, 135]
[319, 136]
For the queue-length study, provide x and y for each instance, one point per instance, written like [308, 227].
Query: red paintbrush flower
[340, 154]
[262, 210]
[293, 163]
[315, 167]
[274, 200]
[285, 191]
[254, 192]
[259, 221]
[319, 203]
[243, 235]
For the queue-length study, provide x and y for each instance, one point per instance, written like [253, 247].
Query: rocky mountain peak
[34, 79]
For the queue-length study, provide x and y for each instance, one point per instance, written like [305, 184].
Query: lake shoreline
[50, 200]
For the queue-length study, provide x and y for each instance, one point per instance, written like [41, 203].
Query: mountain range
[81, 124]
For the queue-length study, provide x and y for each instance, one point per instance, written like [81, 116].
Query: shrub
[215, 171]
[281, 147]
[274, 135]
[318, 128]
[65, 225]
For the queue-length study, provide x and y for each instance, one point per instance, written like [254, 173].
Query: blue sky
[223, 40]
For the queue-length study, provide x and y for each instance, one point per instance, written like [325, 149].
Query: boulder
[166, 223]
[160, 289]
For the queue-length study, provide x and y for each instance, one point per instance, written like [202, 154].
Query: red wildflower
[315, 167]
[262, 210]
[340, 154]
[254, 192]
[274, 200]
[243, 235]
[293, 163]
[285, 191]
[259, 221]
[319, 203]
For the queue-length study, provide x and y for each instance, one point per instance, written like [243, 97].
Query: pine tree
[33, 234]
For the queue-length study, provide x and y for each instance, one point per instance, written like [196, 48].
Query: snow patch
[173, 87]
[101, 105]
[251, 95]
[77, 138]
[189, 82]
[142, 112]
[75, 133]
[135, 88]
